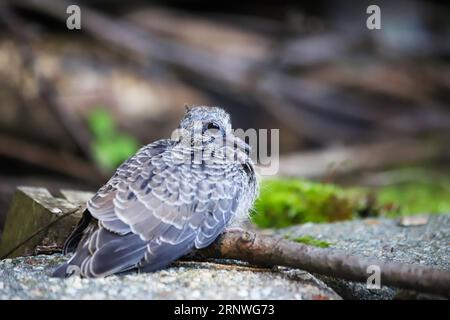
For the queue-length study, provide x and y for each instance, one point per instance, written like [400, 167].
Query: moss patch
[412, 198]
[310, 241]
[286, 202]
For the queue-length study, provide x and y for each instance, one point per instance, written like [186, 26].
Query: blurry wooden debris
[47, 158]
[37, 220]
[196, 31]
[45, 89]
[244, 70]
[387, 177]
[315, 49]
[316, 105]
[144, 106]
[322, 88]
[414, 220]
[343, 160]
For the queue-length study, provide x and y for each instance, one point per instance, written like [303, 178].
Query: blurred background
[355, 107]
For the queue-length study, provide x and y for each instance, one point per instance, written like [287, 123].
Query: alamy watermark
[374, 20]
[374, 280]
[73, 21]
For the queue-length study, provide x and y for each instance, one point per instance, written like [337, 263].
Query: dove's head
[209, 127]
[206, 119]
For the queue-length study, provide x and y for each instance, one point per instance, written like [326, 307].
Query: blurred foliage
[417, 190]
[285, 202]
[309, 240]
[109, 146]
[411, 198]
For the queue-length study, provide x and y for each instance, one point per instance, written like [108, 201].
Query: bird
[172, 197]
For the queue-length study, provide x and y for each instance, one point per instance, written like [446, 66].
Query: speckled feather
[157, 208]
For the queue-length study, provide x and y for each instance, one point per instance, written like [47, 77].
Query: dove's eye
[212, 126]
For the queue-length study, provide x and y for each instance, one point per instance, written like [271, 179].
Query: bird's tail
[73, 265]
[61, 271]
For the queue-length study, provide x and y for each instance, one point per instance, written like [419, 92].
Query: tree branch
[276, 251]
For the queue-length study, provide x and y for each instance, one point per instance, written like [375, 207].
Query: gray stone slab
[28, 278]
[385, 239]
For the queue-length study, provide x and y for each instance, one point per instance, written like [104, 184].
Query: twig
[47, 249]
[224, 266]
[272, 251]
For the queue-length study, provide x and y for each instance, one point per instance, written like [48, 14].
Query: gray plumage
[171, 197]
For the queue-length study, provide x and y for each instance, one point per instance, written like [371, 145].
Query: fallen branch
[276, 251]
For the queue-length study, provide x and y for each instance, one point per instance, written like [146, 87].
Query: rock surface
[28, 278]
[385, 239]
[428, 244]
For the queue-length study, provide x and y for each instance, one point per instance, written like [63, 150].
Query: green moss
[284, 202]
[309, 240]
[415, 190]
[412, 198]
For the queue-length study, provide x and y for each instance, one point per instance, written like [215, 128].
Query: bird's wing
[106, 238]
[102, 206]
[197, 213]
[153, 211]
